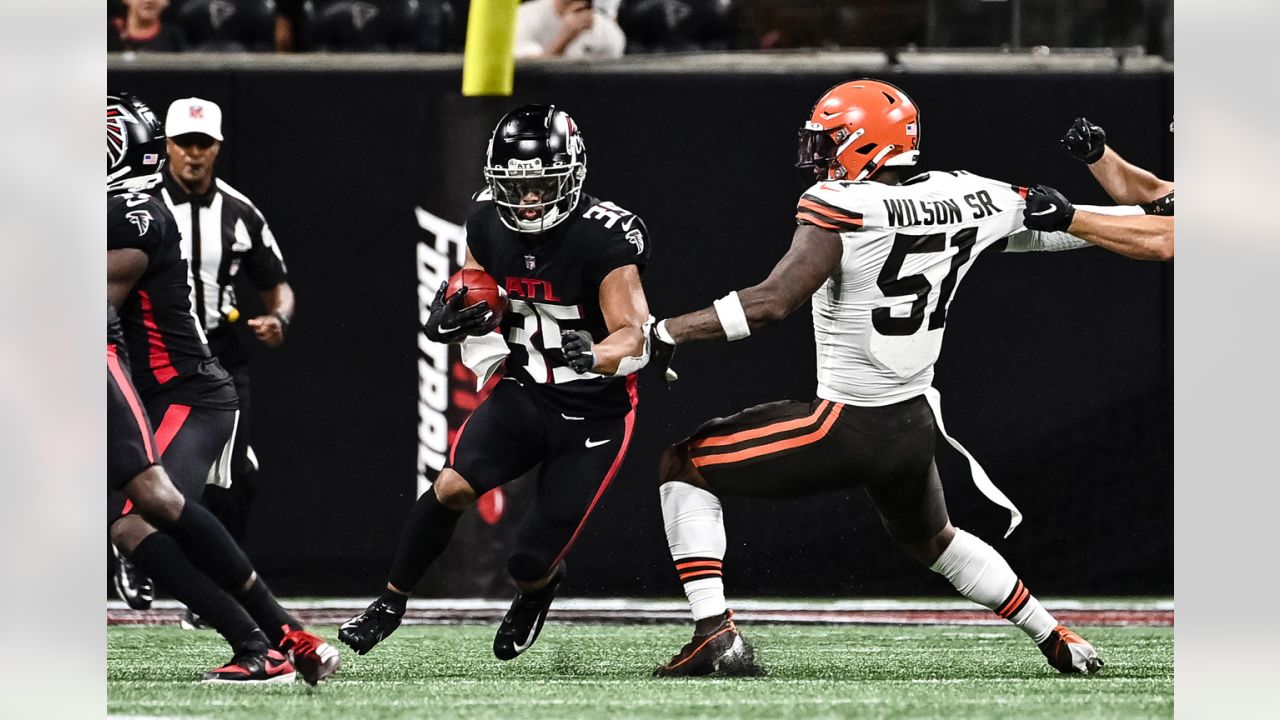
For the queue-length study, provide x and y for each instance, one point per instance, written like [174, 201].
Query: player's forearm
[279, 300]
[625, 342]
[760, 307]
[1142, 237]
[1126, 183]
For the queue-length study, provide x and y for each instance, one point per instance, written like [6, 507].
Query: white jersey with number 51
[878, 321]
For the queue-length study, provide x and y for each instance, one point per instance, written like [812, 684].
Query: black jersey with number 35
[553, 281]
[167, 351]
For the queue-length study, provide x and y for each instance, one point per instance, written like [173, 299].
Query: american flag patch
[150, 159]
[912, 129]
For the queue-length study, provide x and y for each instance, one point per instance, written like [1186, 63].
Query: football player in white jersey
[1145, 229]
[881, 254]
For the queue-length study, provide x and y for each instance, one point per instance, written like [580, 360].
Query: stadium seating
[377, 25]
[228, 25]
[659, 26]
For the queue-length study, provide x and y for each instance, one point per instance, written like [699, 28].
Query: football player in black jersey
[575, 335]
[158, 364]
[1143, 236]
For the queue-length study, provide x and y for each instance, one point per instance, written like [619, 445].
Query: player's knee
[155, 497]
[528, 569]
[674, 465]
[453, 491]
[927, 551]
[128, 532]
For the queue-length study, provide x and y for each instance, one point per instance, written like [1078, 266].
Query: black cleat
[132, 586]
[370, 627]
[253, 667]
[524, 620]
[721, 651]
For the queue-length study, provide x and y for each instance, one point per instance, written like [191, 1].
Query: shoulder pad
[835, 205]
[136, 220]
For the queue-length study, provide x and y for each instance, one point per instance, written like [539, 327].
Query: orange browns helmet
[858, 127]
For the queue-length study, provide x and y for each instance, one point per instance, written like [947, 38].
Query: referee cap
[194, 115]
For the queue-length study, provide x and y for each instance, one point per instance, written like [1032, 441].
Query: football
[480, 286]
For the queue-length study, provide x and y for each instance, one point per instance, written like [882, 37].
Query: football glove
[1047, 209]
[576, 345]
[1085, 141]
[661, 350]
[450, 320]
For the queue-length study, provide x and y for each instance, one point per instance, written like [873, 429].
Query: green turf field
[594, 671]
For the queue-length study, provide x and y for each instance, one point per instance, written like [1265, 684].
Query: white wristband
[732, 317]
[663, 334]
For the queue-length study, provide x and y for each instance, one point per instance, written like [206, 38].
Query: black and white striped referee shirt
[222, 235]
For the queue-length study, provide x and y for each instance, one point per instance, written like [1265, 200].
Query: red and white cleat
[253, 668]
[314, 658]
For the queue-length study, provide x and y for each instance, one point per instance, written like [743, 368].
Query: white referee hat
[194, 115]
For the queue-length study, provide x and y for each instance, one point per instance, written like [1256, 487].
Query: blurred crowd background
[650, 26]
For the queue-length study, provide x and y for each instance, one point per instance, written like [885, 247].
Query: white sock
[983, 576]
[695, 534]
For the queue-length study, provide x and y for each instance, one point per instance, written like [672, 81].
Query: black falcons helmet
[538, 149]
[135, 145]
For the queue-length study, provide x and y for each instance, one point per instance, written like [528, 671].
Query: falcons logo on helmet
[117, 136]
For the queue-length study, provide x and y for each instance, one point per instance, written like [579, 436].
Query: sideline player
[1143, 232]
[881, 256]
[154, 343]
[575, 331]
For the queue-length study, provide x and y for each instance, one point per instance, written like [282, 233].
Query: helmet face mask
[535, 168]
[135, 145]
[817, 151]
[858, 127]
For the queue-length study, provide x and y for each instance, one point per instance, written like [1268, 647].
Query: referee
[224, 237]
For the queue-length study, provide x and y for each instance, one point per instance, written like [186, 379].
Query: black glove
[1085, 141]
[660, 354]
[450, 320]
[1047, 209]
[576, 345]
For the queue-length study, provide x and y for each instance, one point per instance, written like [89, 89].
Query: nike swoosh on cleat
[1051, 208]
[521, 647]
[571, 417]
[597, 443]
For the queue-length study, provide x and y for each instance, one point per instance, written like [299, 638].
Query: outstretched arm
[1123, 230]
[1125, 182]
[1141, 237]
[814, 256]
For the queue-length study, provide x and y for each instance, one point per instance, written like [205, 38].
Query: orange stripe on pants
[773, 447]
[753, 433]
